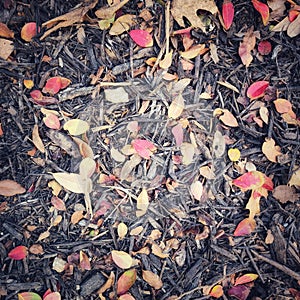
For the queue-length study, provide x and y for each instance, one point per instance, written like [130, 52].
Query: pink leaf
[142, 37]
[257, 89]
[227, 13]
[18, 253]
[28, 31]
[178, 134]
[240, 292]
[263, 9]
[245, 227]
[144, 148]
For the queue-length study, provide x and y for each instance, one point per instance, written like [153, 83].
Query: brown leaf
[5, 31]
[294, 28]
[285, 193]
[152, 279]
[37, 141]
[6, 48]
[189, 8]
[108, 12]
[10, 188]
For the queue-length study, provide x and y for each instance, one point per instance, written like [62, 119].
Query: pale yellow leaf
[197, 190]
[166, 62]
[187, 151]
[87, 167]
[37, 141]
[295, 179]
[136, 230]
[176, 107]
[142, 202]
[44, 235]
[55, 186]
[76, 126]
[122, 230]
[117, 155]
[228, 85]
[270, 150]
[122, 24]
[122, 259]
[264, 114]
[59, 264]
[234, 154]
[152, 279]
[116, 95]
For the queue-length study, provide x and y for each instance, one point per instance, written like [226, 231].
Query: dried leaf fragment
[122, 24]
[37, 141]
[6, 48]
[116, 95]
[5, 31]
[285, 193]
[152, 279]
[295, 179]
[176, 107]
[10, 188]
[263, 9]
[108, 12]
[76, 126]
[246, 46]
[197, 190]
[144, 148]
[226, 117]
[142, 203]
[245, 227]
[28, 31]
[270, 150]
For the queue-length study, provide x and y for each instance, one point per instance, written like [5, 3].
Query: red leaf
[246, 278]
[227, 13]
[250, 180]
[263, 9]
[257, 89]
[240, 292]
[28, 31]
[126, 280]
[264, 47]
[36, 95]
[141, 37]
[293, 14]
[144, 148]
[245, 227]
[18, 253]
[53, 85]
[268, 184]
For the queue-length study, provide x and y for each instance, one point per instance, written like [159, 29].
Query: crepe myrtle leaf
[246, 278]
[52, 121]
[55, 84]
[245, 227]
[257, 89]
[141, 37]
[264, 47]
[28, 31]
[227, 13]
[263, 9]
[10, 188]
[144, 148]
[126, 281]
[29, 296]
[126, 297]
[234, 154]
[18, 253]
[250, 180]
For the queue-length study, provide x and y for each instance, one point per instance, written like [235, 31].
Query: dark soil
[206, 252]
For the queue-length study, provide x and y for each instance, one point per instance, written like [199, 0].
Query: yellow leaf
[197, 190]
[122, 259]
[246, 278]
[176, 107]
[270, 150]
[216, 291]
[122, 24]
[105, 24]
[228, 85]
[55, 186]
[142, 203]
[167, 61]
[187, 151]
[295, 179]
[76, 126]
[122, 230]
[194, 51]
[152, 279]
[28, 83]
[234, 154]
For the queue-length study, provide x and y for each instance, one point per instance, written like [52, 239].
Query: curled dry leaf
[84, 261]
[141, 37]
[166, 62]
[18, 253]
[245, 227]
[122, 259]
[257, 89]
[10, 188]
[194, 51]
[28, 31]
[227, 13]
[126, 281]
[152, 279]
[270, 150]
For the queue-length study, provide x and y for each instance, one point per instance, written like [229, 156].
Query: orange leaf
[29, 84]
[52, 296]
[37, 141]
[5, 31]
[264, 47]
[270, 150]
[122, 259]
[284, 106]
[142, 37]
[28, 31]
[126, 281]
[10, 188]
[246, 278]
[263, 9]
[144, 148]
[52, 121]
[53, 86]
[257, 89]
[250, 180]
[227, 13]
[18, 253]
[152, 279]
[245, 227]
[216, 291]
[28, 296]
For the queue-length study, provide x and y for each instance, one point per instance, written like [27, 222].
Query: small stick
[275, 264]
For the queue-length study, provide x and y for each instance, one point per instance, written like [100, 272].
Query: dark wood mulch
[207, 253]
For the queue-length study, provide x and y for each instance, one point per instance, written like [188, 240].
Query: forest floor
[174, 180]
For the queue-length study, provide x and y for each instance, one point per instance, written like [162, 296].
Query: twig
[277, 265]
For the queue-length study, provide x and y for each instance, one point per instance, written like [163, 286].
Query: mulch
[206, 253]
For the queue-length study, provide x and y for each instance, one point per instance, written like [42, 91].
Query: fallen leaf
[84, 148]
[76, 126]
[144, 148]
[52, 121]
[107, 285]
[126, 281]
[142, 203]
[37, 141]
[228, 85]
[216, 291]
[246, 46]
[129, 166]
[87, 167]
[240, 292]
[218, 145]
[295, 178]
[197, 190]
[156, 250]
[84, 261]
[294, 28]
[226, 117]
[55, 84]
[188, 152]
[52, 296]
[194, 51]
[58, 203]
[227, 13]
[264, 47]
[44, 235]
[270, 150]
[36, 249]
[285, 193]
[177, 131]
[122, 230]
[28, 296]
[73, 182]
[257, 89]
[282, 25]
[263, 9]
[5, 31]
[59, 264]
[18, 253]
[176, 107]
[28, 83]
[245, 227]
[264, 114]
[269, 238]
[116, 95]
[250, 180]
[253, 204]
[122, 259]
[152, 279]
[122, 24]
[108, 12]
[246, 278]
[284, 106]
[77, 216]
[117, 155]
[189, 8]
[234, 154]
[141, 37]
[10, 188]
[28, 31]
[166, 62]
[6, 48]
[105, 24]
